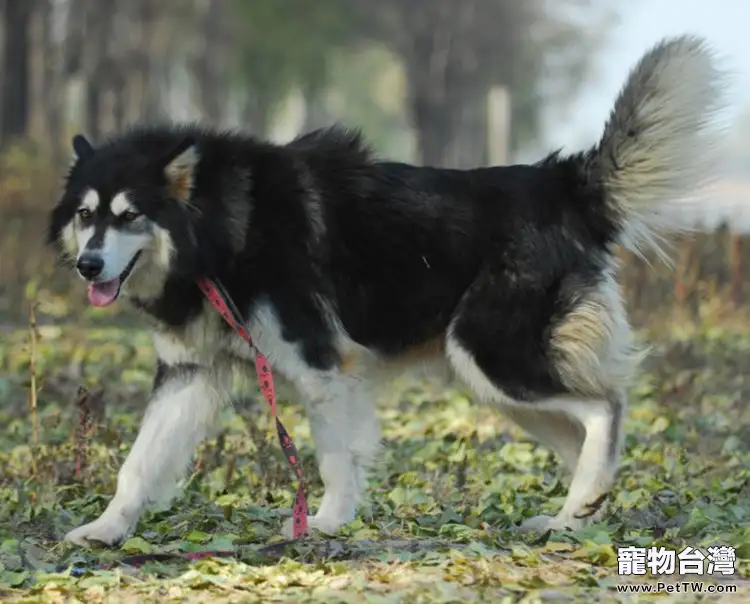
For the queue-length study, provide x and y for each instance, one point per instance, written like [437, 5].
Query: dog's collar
[222, 302]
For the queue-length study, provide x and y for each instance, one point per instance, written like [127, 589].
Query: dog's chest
[207, 342]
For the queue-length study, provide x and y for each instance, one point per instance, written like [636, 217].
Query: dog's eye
[84, 214]
[130, 216]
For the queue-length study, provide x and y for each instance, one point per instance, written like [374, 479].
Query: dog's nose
[90, 265]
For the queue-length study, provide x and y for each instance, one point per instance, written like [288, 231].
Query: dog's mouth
[106, 292]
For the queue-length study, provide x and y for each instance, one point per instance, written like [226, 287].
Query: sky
[725, 24]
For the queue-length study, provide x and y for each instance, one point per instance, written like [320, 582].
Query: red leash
[222, 302]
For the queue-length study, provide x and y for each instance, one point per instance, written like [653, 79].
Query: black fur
[400, 250]
[176, 372]
[82, 147]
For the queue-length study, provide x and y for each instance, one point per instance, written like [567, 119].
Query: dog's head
[125, 216]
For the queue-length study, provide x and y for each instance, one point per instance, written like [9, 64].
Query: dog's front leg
[184, 405]
[346, 431]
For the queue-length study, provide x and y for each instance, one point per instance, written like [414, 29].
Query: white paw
[542, 524]
[109, 529]
[323, 524]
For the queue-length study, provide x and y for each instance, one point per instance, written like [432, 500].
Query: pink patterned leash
[222, 302]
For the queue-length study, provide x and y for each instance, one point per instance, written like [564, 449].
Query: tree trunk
[316, 115]
[53, 88]
[434, 129]
[3, 75]
[158, 36]
[256, 115]
[441, 68]
[469, 148]
[96, 64]
[150, 44]
[92, 107]
[118, 90]
[14, 112]
[46, 73]
[208, 66]
[38, 22]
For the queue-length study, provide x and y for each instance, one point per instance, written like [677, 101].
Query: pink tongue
[102, 294]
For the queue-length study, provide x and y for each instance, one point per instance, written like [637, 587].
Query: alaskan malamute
[346, 264]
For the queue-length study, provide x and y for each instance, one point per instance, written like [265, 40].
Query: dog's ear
[82, 148]
[179, 169]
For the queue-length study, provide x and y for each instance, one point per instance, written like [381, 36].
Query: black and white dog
[347, 265]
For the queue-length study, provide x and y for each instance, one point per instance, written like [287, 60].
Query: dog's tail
[657, 143]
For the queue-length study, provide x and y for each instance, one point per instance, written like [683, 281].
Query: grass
[453, 480]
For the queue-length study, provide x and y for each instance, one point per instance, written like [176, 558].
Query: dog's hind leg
[586, 433]
[560, 431]
[597, 464]
[563, 374]
[184, 405]
[346, 431]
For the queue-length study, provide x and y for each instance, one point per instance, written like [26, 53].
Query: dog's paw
[328, 526]
[107, 529]
[542, 524]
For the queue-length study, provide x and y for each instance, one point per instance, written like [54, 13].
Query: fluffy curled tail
[658, 143]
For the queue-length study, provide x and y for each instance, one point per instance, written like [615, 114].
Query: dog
[347, 266]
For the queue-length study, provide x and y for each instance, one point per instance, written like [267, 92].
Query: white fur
[341, 409]
[556, 429]
[118, 249]
[70, 239]
[465, 366]
[346, 432]
[593, 348]
[121, 204]
[164, 247]
[177, 420]
[82, 236]
[343, 420]
[660, 144]
[147, 279]
[583, 432]
[594, 473]
[90, 200]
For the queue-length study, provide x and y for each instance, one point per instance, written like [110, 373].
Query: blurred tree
[219, 55]
[122, 52]
[97, 61]
[35, 81]
[285, 44]
[150, 31]
[209, 60]
[52, 76]
[14, 92]
[453, 51]
[556, 58]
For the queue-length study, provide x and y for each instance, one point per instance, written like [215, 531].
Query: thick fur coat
[348, 266]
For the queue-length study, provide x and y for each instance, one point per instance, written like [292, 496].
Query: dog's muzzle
[105, 292]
